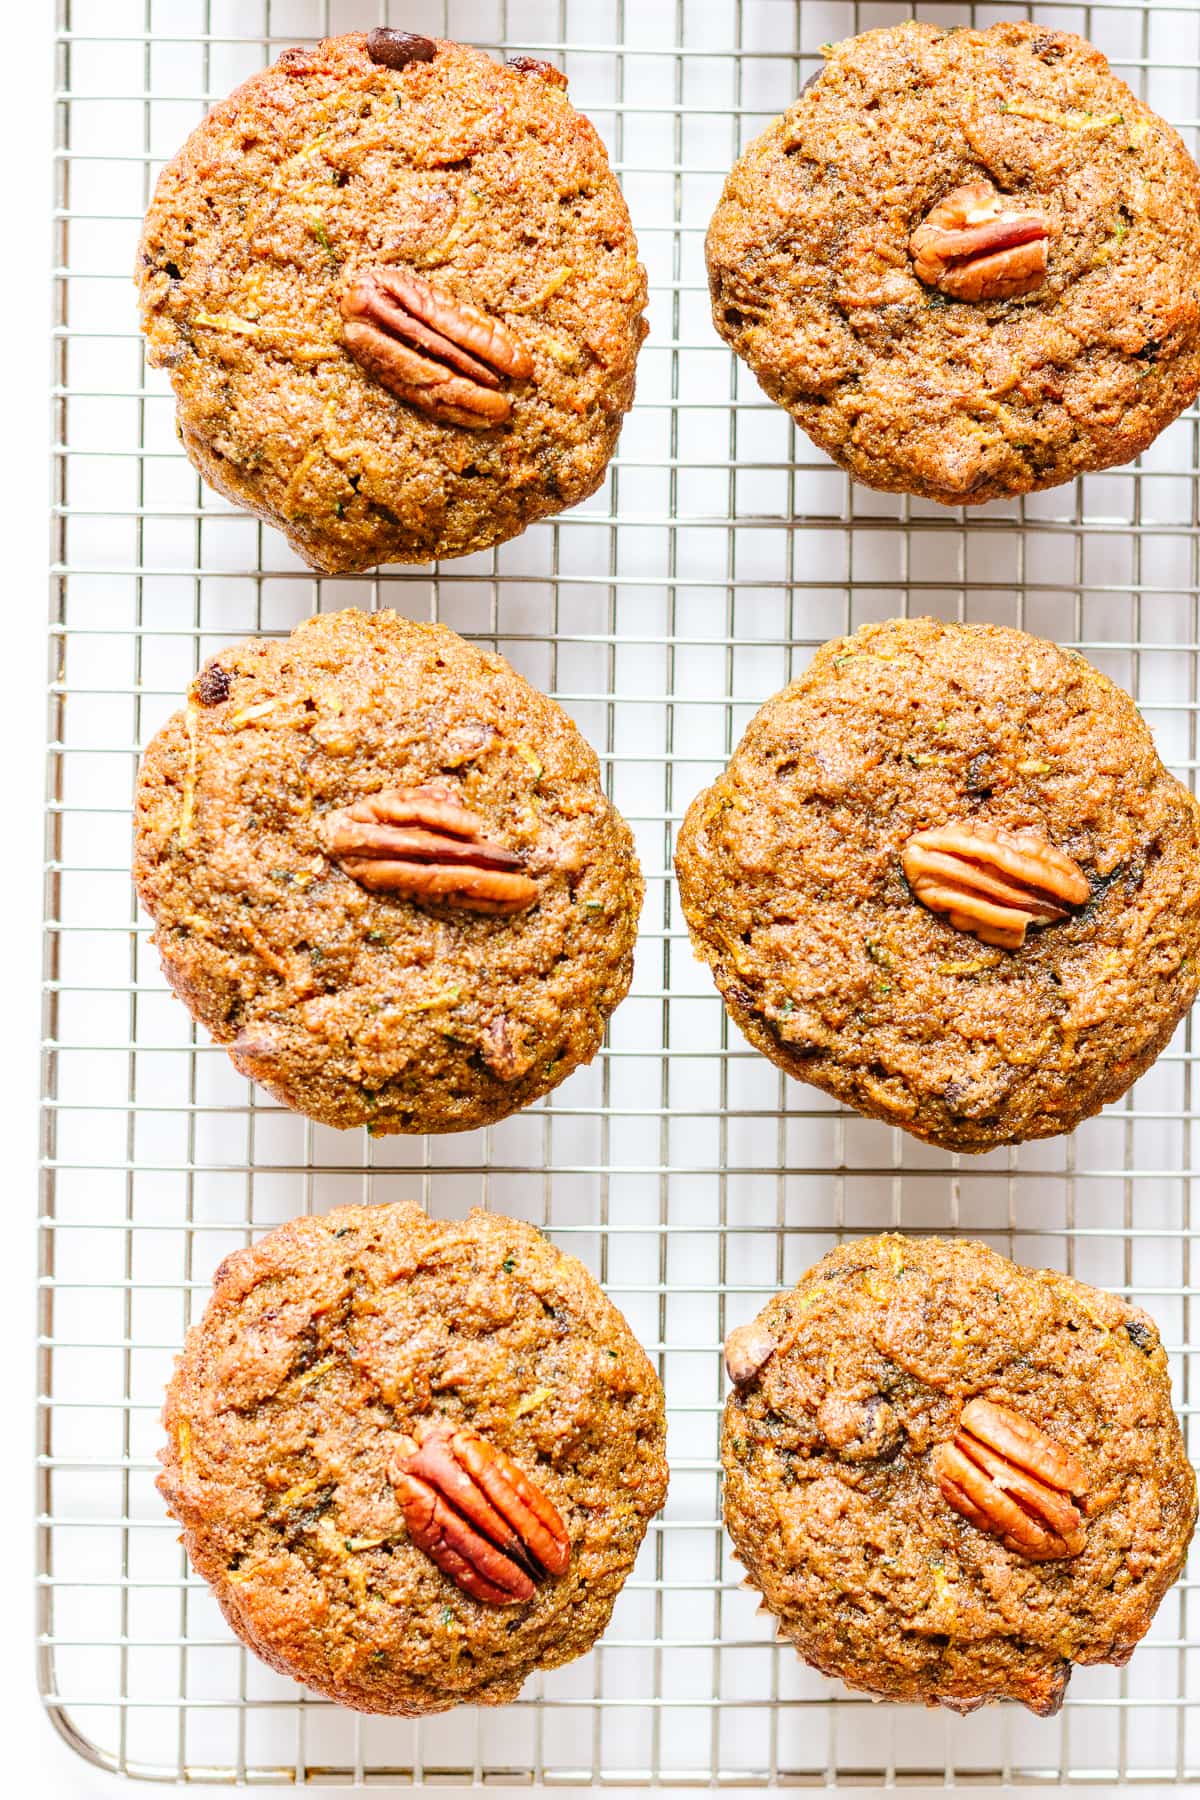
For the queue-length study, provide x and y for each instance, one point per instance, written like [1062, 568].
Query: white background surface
[35, 1761]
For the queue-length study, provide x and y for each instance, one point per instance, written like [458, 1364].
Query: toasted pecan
[991, 882]
[1007, 1477]
[478, 1516]
[973, 245]
[430, 348]
[422, 844]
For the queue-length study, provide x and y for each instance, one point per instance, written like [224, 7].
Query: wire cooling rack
[685, 1170]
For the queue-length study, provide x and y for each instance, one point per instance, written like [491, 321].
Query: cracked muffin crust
[829, 879]
[290, 1420]
[861, 305]
[383, 873]
[858, 1389]
[432, 161]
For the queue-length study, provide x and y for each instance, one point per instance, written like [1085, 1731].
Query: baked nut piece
[397, 291]
[952, 1477]
[966, 262]
[384, 874]
[946, 878]
[414, 1460]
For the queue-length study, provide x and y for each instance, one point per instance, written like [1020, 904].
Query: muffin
[966, 262]
[397, 291]
[414, 1460]
[946, 878]
[953, 1478]
[384, 874]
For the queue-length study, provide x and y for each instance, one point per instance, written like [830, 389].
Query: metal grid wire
[689, 1174]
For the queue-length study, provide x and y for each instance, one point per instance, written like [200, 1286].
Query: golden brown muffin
[918, 759]
[376, 423]
[966, 262]
[384, 874]
[355, 1377]
[951, 1477]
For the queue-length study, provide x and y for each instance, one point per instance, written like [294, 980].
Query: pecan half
[477, 1515]
[993, 883]
[440, 354]
[976, 246]
[1010, 1479]
[420, 843]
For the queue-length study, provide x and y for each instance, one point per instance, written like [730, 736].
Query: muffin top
[384, 874]
[325, 1352]
[951, 1477]
[973, 750]
[966, 262]
[457, 177]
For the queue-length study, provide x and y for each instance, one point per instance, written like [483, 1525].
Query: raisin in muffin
[966, 262]
[383, 873]
[414, 1460]
[953, 1478]
[946, 878]
[397, 291]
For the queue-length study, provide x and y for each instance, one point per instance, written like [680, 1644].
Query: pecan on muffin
[953, 1478]
[383, 873]
[414, 1460]
[946, 878]
[966, 262]
[397, 291]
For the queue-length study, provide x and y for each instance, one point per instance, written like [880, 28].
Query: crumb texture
[792, 883]
[813, 280]
[833, 1510]
[475, 175]
[362, 1007]
[320, 1348]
